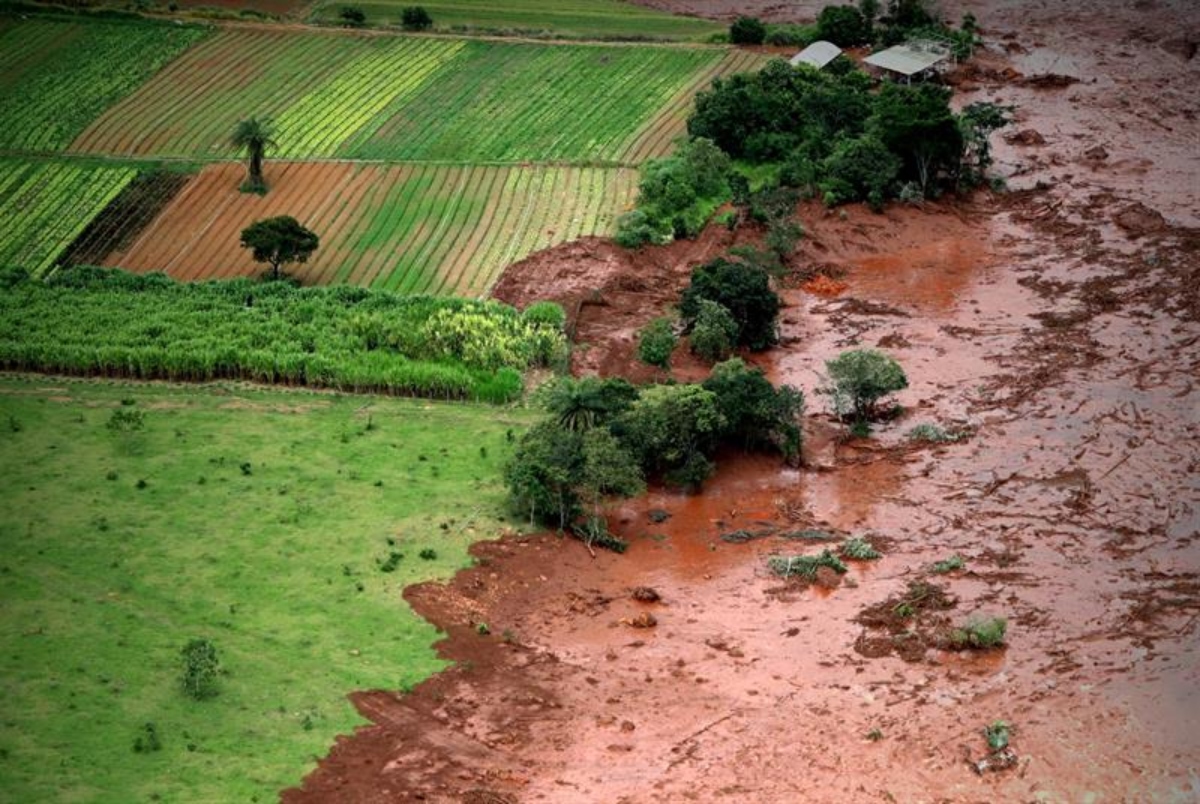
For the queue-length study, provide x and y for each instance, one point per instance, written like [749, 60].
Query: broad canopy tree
[279, 241]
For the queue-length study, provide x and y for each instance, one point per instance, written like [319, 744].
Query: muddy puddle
[1063, 341]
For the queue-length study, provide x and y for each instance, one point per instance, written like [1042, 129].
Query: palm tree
[254, 136]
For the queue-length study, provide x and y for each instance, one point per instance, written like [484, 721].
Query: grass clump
[935, 434]
[997, 735]
[805, 566]
[859, 549]
[951, 564]
[980, 632]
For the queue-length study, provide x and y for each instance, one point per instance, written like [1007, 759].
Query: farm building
[817, 55]
[910, 60]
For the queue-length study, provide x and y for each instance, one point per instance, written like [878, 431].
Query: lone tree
[279, 241]
[415, 18]
[254, 136]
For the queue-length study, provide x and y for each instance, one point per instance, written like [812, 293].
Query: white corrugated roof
[909, 58]
[818, 54]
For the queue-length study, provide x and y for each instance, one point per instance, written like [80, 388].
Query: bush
[744, 291]
[656, 342]
[352, 16]
[791, 35]
[782, 236]
[845, 26]
[673, 428]
[861, 378]
[980, 632]
[545, 314]
[803, 566]
[714, 332]
[148, 741]
[747, 31]
[756, 414]
[126, 421]
[636, 228]
[200, 669]
[415, 18]
[859, 168]
[677, 195]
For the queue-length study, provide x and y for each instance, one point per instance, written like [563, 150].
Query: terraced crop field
[567, 18]
[56, 77]
[44, 206]
[412, 98]
[411, 228]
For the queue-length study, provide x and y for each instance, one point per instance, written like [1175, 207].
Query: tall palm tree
[254, 136]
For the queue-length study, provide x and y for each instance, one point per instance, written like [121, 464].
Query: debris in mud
[808, 536]
[1026, 136]
[1137, 219]
[805, 567]
[645, 594]
[1182, 46]
[742, 536]
[824, 286]
[643, 620]
[1097, 153]
[1001, 756]
[482, 796]
[1048, 81]
[906, 624]
[658, 515]
[893, 340]
[859, 549]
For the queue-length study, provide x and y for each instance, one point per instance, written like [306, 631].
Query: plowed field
[396, 98]
[411, 228]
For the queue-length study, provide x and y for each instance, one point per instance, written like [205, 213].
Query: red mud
[1061, 327]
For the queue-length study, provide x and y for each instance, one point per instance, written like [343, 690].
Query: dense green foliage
[860, 379]
[57, 77]
[104, 582]
[415, 18]
[279, 241]
[94, 321]
[744, 290]
[200, 668]
[656, 342]
[714, 331]
[747, 31]
[845, 26]
[757, 415]
[677, 194]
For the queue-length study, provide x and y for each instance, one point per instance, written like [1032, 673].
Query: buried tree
[254, 136]
[279, 241]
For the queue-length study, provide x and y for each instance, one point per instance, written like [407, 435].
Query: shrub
[673, 428]
[861, 378]
[859, 549]
[845, 26]
[657, 342]
[791, 35]
[677, 194]
[636, 228]
[859, 168]
[782, 236]
[546, 314]
[714, 332]
[415, 18]
[805, 566]
[126, 421]
[997, 734]
[148, 741]
[951, 564]
[980, 632]
[200, 669]
[934, 434]
[756, 414]
[744, 291]
[352, 16]
[747, 31]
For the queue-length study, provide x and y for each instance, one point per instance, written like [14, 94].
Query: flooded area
[1058, 327]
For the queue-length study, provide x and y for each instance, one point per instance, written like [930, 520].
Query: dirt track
[1061, 325]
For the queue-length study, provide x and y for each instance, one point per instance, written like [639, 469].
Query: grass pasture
[44, 206]
[391, 98]
[57, 76]
[575, 19]
[259, 526]
[409, 228]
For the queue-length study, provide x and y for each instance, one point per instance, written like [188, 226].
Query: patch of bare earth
[1060, 325]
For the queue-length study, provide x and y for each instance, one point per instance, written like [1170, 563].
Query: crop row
[110, 323]
[398, 98]
[56, 77]
[411, 228]
[45, 206]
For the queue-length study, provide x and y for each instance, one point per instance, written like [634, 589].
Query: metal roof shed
[817, 55]
[909, 59]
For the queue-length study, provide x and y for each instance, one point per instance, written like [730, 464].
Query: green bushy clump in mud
[805, 566]
[980, 632]
[859, 549]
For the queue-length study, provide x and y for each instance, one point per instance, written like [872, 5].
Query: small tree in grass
[352, 16]
[860, 379]
[747, 31]
[279, 241]
[416, 18]
[200, 669]
[254, 136]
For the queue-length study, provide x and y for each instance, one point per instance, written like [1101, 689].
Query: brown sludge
[1064, 339]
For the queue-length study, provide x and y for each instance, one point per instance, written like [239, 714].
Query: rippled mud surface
[1059, 326]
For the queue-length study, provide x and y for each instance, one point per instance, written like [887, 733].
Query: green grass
[58, 76]
[44, 206]
[591, 19]
[103, 583]
[403, 98]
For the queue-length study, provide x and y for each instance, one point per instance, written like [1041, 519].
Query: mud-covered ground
[1058, 324]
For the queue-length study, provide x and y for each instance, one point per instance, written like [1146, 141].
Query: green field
[403, 98]
[44, 206]
[56, 77]
[599, 19]
[261, 516]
